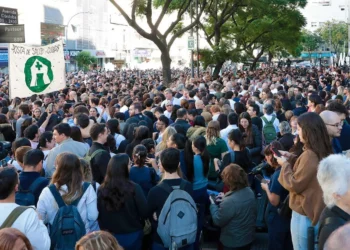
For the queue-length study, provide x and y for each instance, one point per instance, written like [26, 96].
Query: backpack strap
[166, 187]
[96, 153]
[266, 121]
[85, 187]
[57, 196]
[93, 183]
[13, 216]
[233, 156]
[36, 184]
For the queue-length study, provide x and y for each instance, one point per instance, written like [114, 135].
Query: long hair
[169, 131]
[68, 172]
[237, 137]
[9, 236]
[249, 133]
[315, 135]
[100, 240]
[113, 125]
[212, 133]
[116, 186]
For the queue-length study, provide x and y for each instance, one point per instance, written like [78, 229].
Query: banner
[36, 69]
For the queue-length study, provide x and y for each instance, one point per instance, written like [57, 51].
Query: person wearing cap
[169, 97]
[32, 169]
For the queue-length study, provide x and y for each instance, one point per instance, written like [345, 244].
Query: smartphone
[212, 198]
[260, 178]
[4, 163]
[276, 152]
[50, 107]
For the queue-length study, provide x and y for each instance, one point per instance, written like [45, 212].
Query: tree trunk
[166, 64]
[270, 58]
[256, 59]
[217, 69]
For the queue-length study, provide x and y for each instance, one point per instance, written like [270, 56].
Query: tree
[85, 59]
[335, 34]
[164, 41]
[310, 41]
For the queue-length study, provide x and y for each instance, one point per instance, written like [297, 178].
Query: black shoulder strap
[166, 187]
[36, 184]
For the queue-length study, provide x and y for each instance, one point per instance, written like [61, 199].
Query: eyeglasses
[337, 125]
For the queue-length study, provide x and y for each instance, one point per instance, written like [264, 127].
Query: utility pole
[197, 40]
[192, 66]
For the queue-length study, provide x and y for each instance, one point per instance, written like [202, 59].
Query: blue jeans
[131, 241]
[157, 246]
[298, 227]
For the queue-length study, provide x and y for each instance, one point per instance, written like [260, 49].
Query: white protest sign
[36, 69]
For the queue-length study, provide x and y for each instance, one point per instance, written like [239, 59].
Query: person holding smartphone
[279, 226]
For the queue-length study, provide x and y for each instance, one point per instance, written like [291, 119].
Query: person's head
[269, 155]
[139, 155]
[99, 133]
[19, 142]
[33, 160]
[135, 108]
[76, 134]
[313, 134]
[26, 123]
[213, 132]
[113, 126]
[235, 138]
[116, 186]
[82, 120]
[284, 128]
[222, 119]
[68, 172]
[68, 109]
[8, 183]
[234, 177]
[87, 172]
[46, 141]
[245, 121]
[100, 240]
[313, 101]
[288, 114]
[339, 108]
[176, 141]
[162, 123]
[181, 113]
[32, 132]
[232, 118]
[168, 94]
[141, 133]
[268, 109]
[170, 160]
[253, 110]
[61, 132]
[333, 123]
[199, 121]
[215, 109]
[20, 152]
[24, 109]
[333, 175]
[37, 113]
[149, 144]
[13, 239]
[93, 112]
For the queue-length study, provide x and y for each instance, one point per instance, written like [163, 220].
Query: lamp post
[67, 27]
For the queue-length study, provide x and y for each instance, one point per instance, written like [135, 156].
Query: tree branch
[206, 35]
[181, 11]
[160, 18]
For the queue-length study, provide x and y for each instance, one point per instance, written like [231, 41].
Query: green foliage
[335, 34]
[84, 60]
[310, 41]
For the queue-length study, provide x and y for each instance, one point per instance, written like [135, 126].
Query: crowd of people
[118, 160]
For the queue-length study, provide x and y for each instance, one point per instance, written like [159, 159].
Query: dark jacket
[344, 137]
[299, 111]
[27, 178]
[136, 119]
[236, 217]
[127, 219]
[54, 120]
[182, 123]
[99, 162]
[287, 141]
[286, 104]
[8, 132]
[256, 147]
[328, 226]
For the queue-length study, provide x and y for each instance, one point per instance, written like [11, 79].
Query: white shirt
[15, 164]
[46, 152]
[124, 109]
[118, 139]
[276, 122]
[47, 207]
[224, 134]
[167, 114]
[29, 224]
[174, 101]
[215, 117]
[232, 104]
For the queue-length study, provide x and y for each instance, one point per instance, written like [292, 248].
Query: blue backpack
[68, 226]
[27, 197]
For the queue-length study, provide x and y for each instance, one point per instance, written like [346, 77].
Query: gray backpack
[177, 222]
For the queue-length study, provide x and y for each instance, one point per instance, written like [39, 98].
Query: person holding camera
[235, 211]
[279, 225]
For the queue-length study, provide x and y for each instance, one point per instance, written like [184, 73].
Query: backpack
[269, 130]
[27, 197]
[13, 216]
[89, 158]
[177, 222]
[68, 226]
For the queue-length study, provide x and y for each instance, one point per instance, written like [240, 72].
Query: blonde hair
[169, 131]
[213, 132]
[87, 173]
[100, 240]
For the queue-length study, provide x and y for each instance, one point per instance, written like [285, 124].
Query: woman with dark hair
[313, 101]
[46, 143]
[76, 135]
[67, 182]
[222, 119]
[68, 113]
[122, 204]
[278, 225]
[6, 131]
[94, 113]
[239, 155]
[129, 135]
[113, 126]
[300, 180]
[198, 128]
[26, 123]
[37, 114]
[236, 214]
[140, 173]
[13, 239]
[141, 133]
[253, 137]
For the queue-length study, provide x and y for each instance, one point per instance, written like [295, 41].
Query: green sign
[190, 44]
[38, 73]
